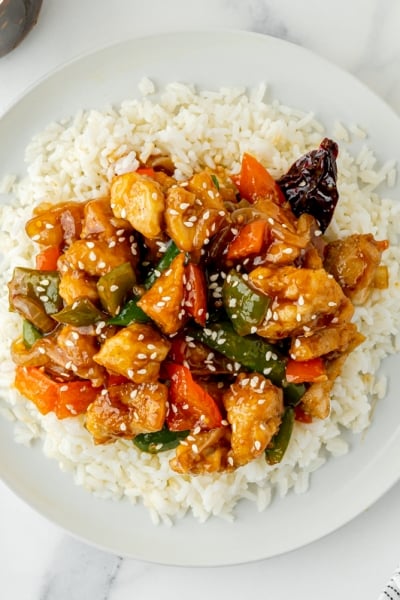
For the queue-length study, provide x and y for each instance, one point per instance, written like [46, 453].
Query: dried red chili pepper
[310, 184]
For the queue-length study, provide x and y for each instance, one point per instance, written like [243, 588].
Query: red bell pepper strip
[65, 399]
[190, 405]
[254, 181]
[301, 415]
[301, 371]
[195, 300]
[47, 259]
[248, 241]
[147, 171]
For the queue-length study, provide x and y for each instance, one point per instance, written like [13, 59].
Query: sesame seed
[63, 388]
[44, 298]
[101, 264]
[230, 461]
[188, 224]
[142, 371]
[90, 244]
[172, 211]
[92, 256]
[122, 427]
[257, 445]
[195, 448]
[114, 288]
[184, 205]
[142, 356]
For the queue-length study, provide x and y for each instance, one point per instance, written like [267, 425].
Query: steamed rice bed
[77, 158]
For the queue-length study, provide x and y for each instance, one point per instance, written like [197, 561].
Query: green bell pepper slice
[80, 313]
[131, 313]
[280, 441]
[34, 295]
[253, 353]
[30, 334]
[245, 307]
[171, 252]
[159, 441]
[114, 287]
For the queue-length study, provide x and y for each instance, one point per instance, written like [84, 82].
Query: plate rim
[135, 40]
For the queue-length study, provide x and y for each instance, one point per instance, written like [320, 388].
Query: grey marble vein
[79, 572]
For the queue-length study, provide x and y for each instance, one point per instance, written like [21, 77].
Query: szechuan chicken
[204, 315]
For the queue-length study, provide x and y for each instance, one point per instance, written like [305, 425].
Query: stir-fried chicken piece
[333, 338]
[254, 410]
[204, 452]
[353, 262]
[74, 353]
[127, 410]
[316, 401]
[77, 284]
[140, 200]
[96, 257]
[135, 351]
[287, 235]
[299, 299]
[192, 217]
[163, 301]
[56, 225]
[227, 189]
[100, 222]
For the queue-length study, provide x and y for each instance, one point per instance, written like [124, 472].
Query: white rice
[77, 159]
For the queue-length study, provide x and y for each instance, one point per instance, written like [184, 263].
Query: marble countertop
[41, 562]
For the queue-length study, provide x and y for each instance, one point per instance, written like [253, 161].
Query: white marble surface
[40, 562]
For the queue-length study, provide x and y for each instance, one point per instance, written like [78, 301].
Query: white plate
[344, 487]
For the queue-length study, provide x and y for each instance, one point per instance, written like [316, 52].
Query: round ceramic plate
[345, 486]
